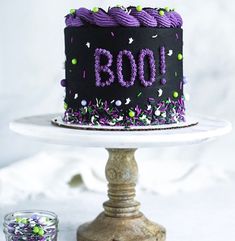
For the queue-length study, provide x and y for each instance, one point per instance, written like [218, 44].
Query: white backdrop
[31, 66]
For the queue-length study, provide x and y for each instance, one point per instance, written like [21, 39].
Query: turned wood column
[122, 173]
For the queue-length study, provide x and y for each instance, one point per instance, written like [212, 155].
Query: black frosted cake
[124, 67]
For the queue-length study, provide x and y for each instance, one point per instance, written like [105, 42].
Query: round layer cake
[124, 67]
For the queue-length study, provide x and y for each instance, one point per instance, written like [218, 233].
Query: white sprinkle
[149, 107]
[170, 52]
[157, 112]
[118, 103]
[120, 118]
[84, 102]
[112, 101]
[128, 100]
[155, 36]
[112, 123]
[131, 40]
[164, 114]
[129, 12]
[148, 121]
[75, 96]
[92, 119]
[160, 91]
[143, 117]
[88, 45]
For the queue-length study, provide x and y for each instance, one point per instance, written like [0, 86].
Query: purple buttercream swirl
[144, 18]
[122, 17]
[127, 17]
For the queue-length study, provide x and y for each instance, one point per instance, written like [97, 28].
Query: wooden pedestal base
[121, 219]
[105, 228]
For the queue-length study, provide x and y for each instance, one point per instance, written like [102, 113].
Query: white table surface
[40, 127]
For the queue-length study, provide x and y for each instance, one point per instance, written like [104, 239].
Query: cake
[124, 67]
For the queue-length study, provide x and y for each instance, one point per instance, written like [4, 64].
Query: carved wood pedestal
[121, 219]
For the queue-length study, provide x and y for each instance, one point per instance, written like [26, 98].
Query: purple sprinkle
[84, 74]
[163, 81]
[63, 82]
[112, 34]
[177, 36]
[181, 85]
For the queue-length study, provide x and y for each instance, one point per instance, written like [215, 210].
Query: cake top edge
[126, 17]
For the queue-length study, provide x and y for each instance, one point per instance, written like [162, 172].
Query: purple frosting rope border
[127, 17]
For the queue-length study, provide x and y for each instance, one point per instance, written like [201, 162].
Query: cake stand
[121, 219]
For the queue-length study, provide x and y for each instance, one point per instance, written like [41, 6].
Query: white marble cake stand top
[40, 127]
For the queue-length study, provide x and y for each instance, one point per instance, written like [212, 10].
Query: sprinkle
[71, 40]
[112, 33]
[175, 94]
[72, 11]
[170, 52]
[161, 13]
[131, 113]
[155, 36]
[149, 107]
[131, 40]
[41, 232]
[176, 74]
[139, 8]
[129, 12]
[181, 85]
[180, 56]
[167, 9]
[74, 61]
[75, 96]
[84, 74]
[160, 91]
[139, 94]
[163, 81]
[95, 10]
[88, 44]
[164, 114]
[36, 229]
[83, 102]
[157, 112]
[112, 101]
[118, 103]
[177, 36]
[128, 100]
[65, 106]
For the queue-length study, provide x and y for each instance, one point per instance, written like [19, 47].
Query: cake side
[128, 72]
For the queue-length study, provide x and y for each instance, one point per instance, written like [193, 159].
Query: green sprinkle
[41, 232]
[95, 10]
[36, 229]
[176, 74]
[72, 11]
[18, 220]
[65, 106]
[180, 56]
[139, 94]
[131, 113]
[167, 9]
[175, 94]
[74, 61]
[162, 13]
[139, 8]
[24, 221]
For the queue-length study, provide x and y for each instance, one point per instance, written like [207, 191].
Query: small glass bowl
[31, 225]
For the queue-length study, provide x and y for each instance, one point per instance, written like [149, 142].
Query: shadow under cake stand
[121, 219]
